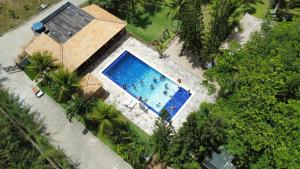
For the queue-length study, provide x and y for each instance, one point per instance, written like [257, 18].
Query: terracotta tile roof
[90, 84]
[84, 43]
[102, 14]
[45, 43]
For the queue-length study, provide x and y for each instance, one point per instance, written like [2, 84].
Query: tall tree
[219, 25]
[162, 135]
[191, 30]
[199, 136]
[259, 97]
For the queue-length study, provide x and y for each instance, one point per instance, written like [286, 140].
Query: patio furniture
[143, 107]
[131, 104]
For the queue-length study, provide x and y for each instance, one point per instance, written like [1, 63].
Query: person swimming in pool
[133, 86]
[173, 107]
[154, 80]
[124, 86]
[158, 104]
[162, 77]
[166, 86]
[142, 82]
[152, 87]
[165, 92]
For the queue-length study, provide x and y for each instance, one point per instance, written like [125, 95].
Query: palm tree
[107, 118]
[78, 105]
[64, 84]
[176, 7]
[41, 64]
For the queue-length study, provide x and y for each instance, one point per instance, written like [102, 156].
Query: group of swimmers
[162, 77]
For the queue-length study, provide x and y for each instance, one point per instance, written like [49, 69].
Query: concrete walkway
[84, 149]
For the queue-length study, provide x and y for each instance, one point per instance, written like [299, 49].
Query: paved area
[119, 97]
[249, 24]
[84, 149]
[173, 53]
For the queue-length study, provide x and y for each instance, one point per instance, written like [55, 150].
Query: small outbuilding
[91, 86]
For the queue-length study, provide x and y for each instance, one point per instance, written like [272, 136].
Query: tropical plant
[293, 4]
[41, 64]
[78, 106]
[176, 6]
[134, 153]
[225, 16]
[162, 134]
[200, 135]
[191, 30]
[259, 97]
[106, 118]
[64, 84]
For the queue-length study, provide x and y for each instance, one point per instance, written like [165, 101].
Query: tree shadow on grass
[152, 7]
[139, 19]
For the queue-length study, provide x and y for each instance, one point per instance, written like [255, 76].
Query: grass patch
[14, 12]
[152, 23]
[30, 74]
[262, 8]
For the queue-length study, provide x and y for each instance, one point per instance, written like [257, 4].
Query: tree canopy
[260, 97]
[191, 30]
[199, 136]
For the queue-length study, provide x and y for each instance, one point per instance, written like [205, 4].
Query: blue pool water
[141, 80]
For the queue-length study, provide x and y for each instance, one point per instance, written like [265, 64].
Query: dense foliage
[162, 135]
[15, 150]
[199, 136]
[260, 98]
[219, 25]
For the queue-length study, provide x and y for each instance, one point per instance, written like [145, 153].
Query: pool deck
[119, 97]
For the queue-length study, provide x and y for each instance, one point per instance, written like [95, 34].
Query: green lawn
[14, 12]
[151, 23]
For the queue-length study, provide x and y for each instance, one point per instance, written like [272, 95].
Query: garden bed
[137, 134]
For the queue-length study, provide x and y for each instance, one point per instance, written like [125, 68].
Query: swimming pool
[147, 84]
